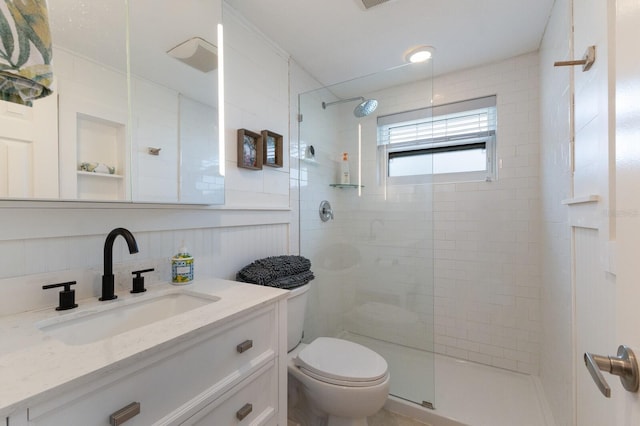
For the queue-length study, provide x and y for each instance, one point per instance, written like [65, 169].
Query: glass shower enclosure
[372, 255]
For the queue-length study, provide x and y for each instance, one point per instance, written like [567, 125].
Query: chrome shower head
[364, 108]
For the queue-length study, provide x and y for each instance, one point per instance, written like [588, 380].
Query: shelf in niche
[592, 198]
[345, 185]
[104, 175]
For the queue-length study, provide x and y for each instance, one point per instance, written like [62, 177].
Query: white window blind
[467, 119]
[455, 141]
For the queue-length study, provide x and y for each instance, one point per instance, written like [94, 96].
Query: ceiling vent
[368, 4]
[198, 53]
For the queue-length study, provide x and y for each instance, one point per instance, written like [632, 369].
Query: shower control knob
[325, 211]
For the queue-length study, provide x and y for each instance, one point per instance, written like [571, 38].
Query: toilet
[341, 380]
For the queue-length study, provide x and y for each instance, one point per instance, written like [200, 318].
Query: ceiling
[338, 40]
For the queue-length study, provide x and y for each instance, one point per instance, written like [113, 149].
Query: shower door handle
[624, 365]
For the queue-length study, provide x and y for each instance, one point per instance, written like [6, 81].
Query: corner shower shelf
[345, 185]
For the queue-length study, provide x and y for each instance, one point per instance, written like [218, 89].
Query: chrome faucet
[107, 278]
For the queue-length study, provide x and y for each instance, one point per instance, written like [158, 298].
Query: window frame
[386, 150]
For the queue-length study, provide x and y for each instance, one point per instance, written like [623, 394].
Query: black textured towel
[286, 271]
[291, 281]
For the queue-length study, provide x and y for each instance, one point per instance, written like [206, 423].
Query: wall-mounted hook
[154, 151]
[587, 60]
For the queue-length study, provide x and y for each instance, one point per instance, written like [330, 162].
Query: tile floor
[381, 418]
[387, 418]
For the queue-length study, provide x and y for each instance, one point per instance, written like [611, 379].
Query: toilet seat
[341, 362]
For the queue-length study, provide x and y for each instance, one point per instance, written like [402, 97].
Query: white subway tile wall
[479, 241]
[487, 263]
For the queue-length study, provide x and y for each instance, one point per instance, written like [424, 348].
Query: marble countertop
[35, 366]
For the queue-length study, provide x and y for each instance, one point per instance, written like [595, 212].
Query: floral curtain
[25, 51]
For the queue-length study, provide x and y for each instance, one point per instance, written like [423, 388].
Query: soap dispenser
[182, 267]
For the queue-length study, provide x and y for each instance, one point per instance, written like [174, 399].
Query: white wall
[99, 93]
[300, 81]
[156, 125]
[556, 356]
[43, 242]
[257, 98]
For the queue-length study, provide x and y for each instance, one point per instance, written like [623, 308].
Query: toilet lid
[342, 362]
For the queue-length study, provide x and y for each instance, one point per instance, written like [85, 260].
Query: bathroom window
[448, 143]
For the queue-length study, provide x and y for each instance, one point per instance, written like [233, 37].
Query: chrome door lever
[624, 365]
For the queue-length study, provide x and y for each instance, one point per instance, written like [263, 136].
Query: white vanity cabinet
[232, 374]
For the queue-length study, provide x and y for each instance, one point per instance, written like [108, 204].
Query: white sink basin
[119, 317]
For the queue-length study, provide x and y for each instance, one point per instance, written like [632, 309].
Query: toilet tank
[296, 308]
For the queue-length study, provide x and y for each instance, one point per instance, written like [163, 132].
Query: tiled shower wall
[485, 248]
[487, 234]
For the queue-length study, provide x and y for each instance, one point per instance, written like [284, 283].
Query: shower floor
[470, 393]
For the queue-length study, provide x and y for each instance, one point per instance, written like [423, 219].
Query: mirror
[141, 128]
[175, 100]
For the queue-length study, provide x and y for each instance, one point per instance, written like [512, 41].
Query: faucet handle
[67, 297]
[138, 281]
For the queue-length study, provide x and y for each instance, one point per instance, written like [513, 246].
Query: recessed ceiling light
[418, 54]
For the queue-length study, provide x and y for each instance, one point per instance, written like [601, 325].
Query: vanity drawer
[254, 402]
[165, 383]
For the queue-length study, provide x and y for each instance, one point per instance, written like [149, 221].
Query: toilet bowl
[342, 381]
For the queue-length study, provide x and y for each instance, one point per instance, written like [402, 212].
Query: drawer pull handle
[244, 346]
[124, 414]
[244, 411]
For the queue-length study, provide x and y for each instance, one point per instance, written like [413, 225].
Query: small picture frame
[272, 149]
[249, 150]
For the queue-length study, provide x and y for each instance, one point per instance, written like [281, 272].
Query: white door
[607, 231]
[29, 149]
[627, 211]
